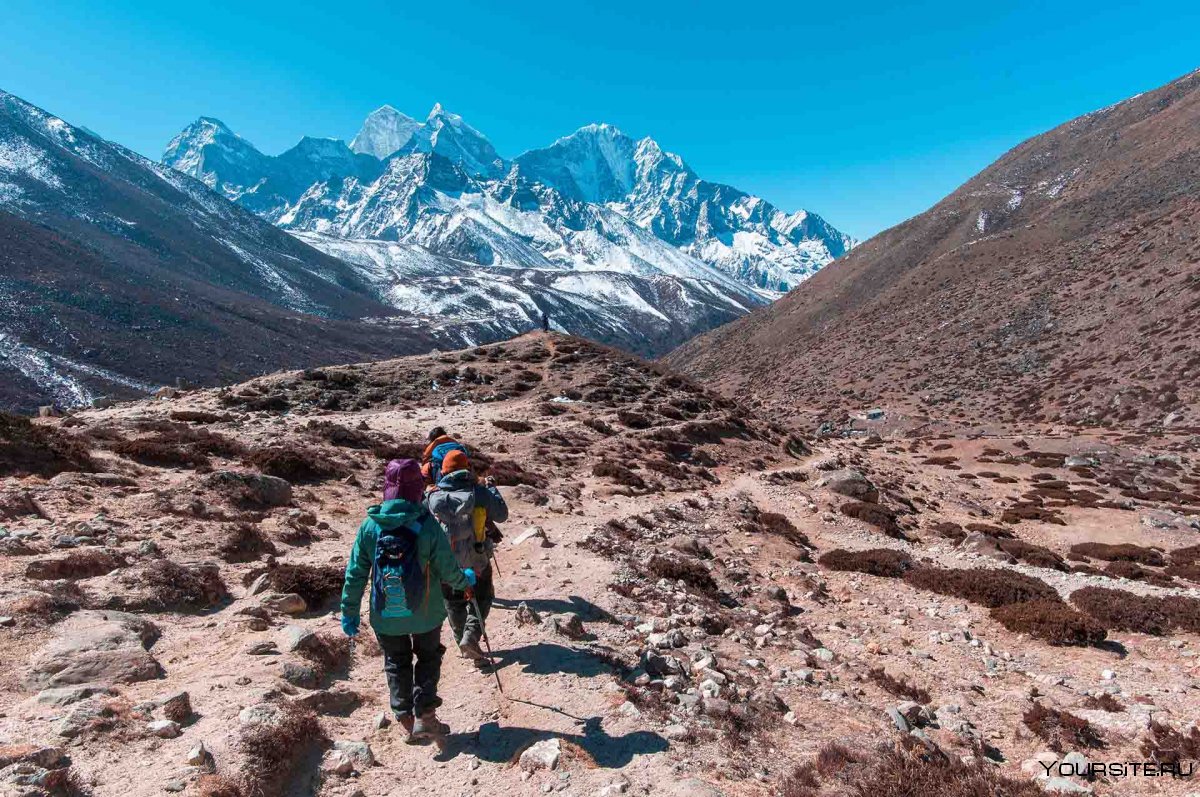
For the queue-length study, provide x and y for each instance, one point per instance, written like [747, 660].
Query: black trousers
[413, 689]
[466, 626]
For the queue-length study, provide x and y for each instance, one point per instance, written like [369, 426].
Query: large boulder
[249, 489]
[97, 647]
[852, 484]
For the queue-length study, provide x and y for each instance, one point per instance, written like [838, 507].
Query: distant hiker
[404, 552]
[438, 445]
[545, 322]
[465, 508]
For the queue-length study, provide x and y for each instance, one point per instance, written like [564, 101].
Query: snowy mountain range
[596, 200]
[118, 274]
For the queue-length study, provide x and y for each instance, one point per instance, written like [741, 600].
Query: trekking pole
[487, 644]
[495, 563]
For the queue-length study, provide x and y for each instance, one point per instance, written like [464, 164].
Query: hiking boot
[470, 650]
[406, 722]
[428, 726]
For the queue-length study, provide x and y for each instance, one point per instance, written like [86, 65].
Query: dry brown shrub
[1104, 702]
[883, 562]
[27, 449]
[618, 473]
[1035, 555]
[271, 748]
[906, 769]
[898, 686]
[1165, 745]
[164, 585]
[1118, 610]
[243, 542]
[315, 583]
[1123, 552]
[689, 571]
[83, 563]
[296, 463]
[1050, 621]
[199, 416]
[984, 586]
[340, 436]
[515, 427]
[877, 515]
[1061, 730]
[211, 785]
[949, 530]
[781, 526]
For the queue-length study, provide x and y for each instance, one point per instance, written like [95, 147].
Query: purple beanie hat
[403, 479]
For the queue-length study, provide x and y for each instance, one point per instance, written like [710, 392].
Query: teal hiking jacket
[434, 553]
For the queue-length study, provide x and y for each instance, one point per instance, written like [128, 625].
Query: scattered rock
[284, 603]
[198, 756]
[359, 753]
[164, 729]
[301, 675]
[566, 624]
[97, 647]
[66, 695]
[541, 755]
[535, 533]
[850, 483]
[527, 616]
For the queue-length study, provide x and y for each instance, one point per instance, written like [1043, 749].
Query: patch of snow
[20, 157]
[58, 376]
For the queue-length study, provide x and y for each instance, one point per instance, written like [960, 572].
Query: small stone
[527, 616]
[197, 756]
[297, 637]
[301, 675]
[175, 785]
[824, 655]
[284, 603]
[337, 762]
[541, 755]
[1108, 675]
[7, 622]
[381, 721]
[535, 533]
[714, 706]
[898, 720]
[264, 648]
[260, 714]
[164, 729]
[567, 624]
[358, 752]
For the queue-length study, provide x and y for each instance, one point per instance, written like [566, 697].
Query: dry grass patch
[271, 749]
[1124, 552]
[317, 584]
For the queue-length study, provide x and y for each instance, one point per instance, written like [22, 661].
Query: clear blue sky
[865, 112]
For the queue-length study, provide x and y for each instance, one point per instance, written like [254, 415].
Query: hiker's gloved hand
[490, 481]
[470, 574]
[350, 625]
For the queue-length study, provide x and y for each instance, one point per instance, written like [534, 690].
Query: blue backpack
[439, 453]
[397, 578]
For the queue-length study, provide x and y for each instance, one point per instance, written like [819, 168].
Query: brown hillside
[1061, 283]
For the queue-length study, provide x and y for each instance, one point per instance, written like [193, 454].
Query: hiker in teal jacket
[406, 556]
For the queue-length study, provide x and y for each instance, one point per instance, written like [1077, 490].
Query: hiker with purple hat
[407, 557]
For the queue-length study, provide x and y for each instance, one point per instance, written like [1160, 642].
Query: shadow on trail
[547, 658]
[587, 611]
[498, 744]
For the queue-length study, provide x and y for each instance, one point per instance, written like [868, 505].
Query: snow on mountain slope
[643, 314]
[117, 273]
[606, 201]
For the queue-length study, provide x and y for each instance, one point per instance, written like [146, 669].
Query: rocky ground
[693, 598]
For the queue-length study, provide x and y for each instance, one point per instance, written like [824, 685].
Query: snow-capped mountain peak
[570, 204]
[384, 132]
